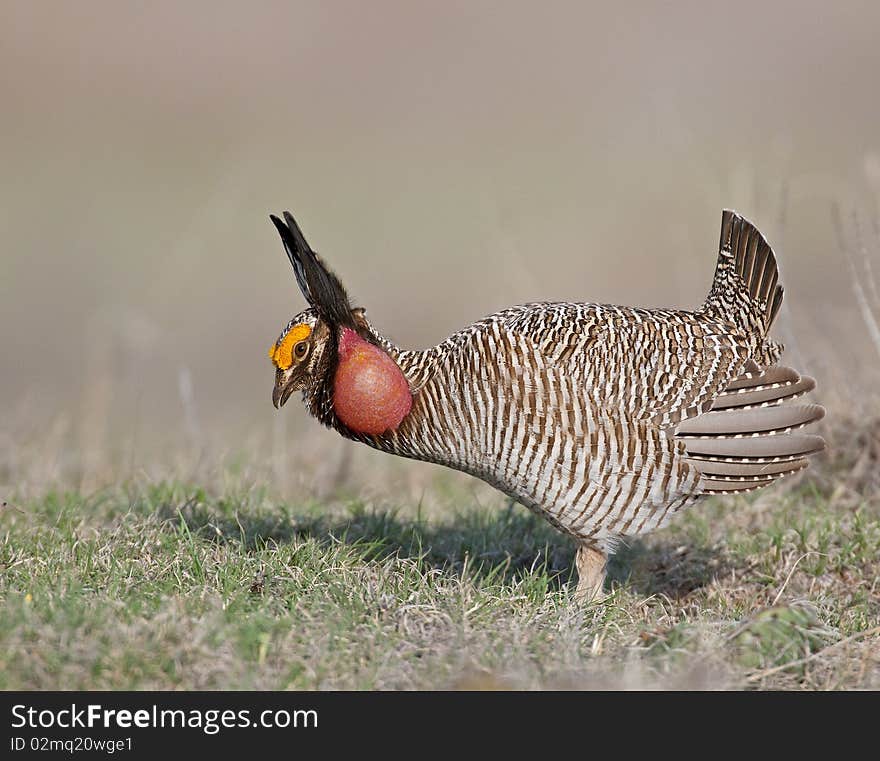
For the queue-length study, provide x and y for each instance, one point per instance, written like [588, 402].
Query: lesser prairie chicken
[605, 420]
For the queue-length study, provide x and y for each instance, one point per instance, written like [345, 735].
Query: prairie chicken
[605, 420]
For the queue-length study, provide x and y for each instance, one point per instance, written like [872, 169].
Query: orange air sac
[370, 393]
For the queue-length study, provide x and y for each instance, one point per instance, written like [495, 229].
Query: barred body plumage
[606, 420]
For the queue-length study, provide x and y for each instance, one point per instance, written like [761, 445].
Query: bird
[605, 420]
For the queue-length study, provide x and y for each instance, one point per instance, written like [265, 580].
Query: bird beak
[283, 387]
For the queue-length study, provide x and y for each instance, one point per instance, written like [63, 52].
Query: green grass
[167, 586]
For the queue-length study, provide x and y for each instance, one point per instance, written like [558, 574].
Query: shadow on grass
[672, 569]
[505, 544]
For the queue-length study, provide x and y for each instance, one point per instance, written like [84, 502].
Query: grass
[167, 586]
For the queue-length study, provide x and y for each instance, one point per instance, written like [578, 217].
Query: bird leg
[591, 563]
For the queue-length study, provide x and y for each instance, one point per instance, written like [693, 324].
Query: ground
[168, 586]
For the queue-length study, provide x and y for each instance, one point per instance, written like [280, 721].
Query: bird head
[305, 353]
[298, 355]
[331, 354]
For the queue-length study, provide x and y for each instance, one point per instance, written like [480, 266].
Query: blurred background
[447, 159]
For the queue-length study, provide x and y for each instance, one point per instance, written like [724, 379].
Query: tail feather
[746, 287]
[750, 437]
[775, 296]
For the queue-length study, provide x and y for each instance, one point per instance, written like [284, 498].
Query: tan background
[448, 159]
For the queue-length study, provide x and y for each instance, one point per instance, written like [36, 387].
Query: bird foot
[591, 565]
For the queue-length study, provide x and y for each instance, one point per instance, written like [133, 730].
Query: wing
[636, 364]
[663, 367]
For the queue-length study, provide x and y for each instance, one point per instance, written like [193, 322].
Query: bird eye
[301, 349]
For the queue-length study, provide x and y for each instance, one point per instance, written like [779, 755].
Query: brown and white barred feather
[607, 420]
